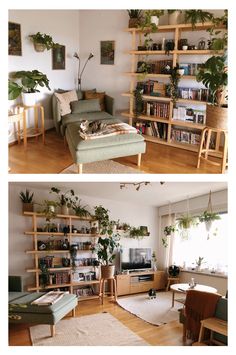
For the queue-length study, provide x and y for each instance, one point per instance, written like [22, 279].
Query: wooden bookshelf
[36, 254]
[174, 55]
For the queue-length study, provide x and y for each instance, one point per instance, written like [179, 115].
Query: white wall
[63, 26]
[136, 215]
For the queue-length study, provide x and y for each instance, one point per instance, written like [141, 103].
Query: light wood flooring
[54, 156]
[168, 334]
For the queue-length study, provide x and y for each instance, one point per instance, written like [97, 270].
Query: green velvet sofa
[87, 151]
[22, 311]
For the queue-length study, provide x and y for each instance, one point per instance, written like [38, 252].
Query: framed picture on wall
[107, 52]
[14, 39]
[59, 57]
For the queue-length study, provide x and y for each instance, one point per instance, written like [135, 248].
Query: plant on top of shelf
[27, 200]
[48, 209]
[197, 16]
[150, 20]
[42, 41]
[64, 198]
[173, 16]
[134, 17]
[79, 210]
[172, 88]
[136, 233]
[217, 42]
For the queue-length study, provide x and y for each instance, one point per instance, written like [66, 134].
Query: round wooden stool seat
[205, 150]
[113, 291]
[172, 280]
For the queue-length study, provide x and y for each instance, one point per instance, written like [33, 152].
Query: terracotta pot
[28, 207]
[217, 117]
[107, 271]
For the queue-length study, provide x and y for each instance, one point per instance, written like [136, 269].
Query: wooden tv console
[141, 281]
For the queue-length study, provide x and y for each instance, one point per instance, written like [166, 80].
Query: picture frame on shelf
[107, 52]
[14, 39]
[59, 58]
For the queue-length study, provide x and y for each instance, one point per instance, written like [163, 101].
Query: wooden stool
[113, 292]
[170, 280]
[206, 138]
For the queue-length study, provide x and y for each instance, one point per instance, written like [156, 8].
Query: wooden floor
[54, 156]
[168, 334]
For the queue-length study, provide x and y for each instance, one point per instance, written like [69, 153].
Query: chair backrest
[15, 284]
[221, 313]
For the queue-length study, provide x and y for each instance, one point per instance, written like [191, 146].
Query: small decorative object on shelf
[27, 200]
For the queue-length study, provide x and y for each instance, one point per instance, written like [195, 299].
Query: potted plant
[197, 16]
[79, 210]
[105, 249]
[217, 42]
[64, 199]
[14, 90]
[208, 217]
[213, 74]
[184, 223]
[27, 201]
[134, 18]
[151, 18]
[49, 209]
[42, 41]
[30, 80]
[199, 262]
[154, 261]
[102, 216]
[168, 230]
[173, 16]
[136, 233]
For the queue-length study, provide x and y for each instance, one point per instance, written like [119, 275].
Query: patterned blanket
[110, 130]
[49, 298]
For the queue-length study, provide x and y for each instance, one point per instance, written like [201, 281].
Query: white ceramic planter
[29, 99]
[155, 20]
[173, 19]
[180, 71]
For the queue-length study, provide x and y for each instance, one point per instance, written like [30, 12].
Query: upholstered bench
[92, 150]
[22, 311]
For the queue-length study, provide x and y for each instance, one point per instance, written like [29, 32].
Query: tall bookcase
[36, 233]
[176, 32]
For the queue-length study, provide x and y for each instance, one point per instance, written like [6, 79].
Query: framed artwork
[14, 39]
[107, 52]
[59, 58]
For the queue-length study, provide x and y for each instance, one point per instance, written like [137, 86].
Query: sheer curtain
[166, 254]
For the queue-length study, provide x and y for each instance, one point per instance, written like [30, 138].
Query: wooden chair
[172, 280]
[113, 288]
[204, 147]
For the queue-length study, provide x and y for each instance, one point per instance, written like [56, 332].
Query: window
[211, 246]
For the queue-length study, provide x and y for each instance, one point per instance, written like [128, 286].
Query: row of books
[183, 136]
[155, 129]
[190, 68]
[183, 113]
[193, 94]
[152, 87]
[84, 292]
[158, 109]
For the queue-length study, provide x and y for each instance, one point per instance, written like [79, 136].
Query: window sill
[206, 273]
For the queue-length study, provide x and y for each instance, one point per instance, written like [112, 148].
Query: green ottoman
[87, 151]
[21, 310]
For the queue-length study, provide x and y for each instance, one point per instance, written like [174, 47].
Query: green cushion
[84, 106]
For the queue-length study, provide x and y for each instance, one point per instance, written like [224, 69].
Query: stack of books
[193, 94]
[183, 113]
[158, 109]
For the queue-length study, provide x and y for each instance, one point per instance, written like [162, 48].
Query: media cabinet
[136, 282]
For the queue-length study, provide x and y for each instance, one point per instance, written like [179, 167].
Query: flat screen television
[136, 259]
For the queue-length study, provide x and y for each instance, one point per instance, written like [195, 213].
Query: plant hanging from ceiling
[208, 217]
[185, 222]
[168, 230]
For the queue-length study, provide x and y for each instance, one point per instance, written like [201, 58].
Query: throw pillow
[65, 99]
[96, 95]
[83, 106]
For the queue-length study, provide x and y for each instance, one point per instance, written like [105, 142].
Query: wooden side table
[16, 119]
[37, 130]
[214, 325]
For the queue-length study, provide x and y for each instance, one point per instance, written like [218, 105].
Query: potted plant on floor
[27, 201]
[134, 18]
[30, 81]
[213, 74]
[106, 249]
[64, 199]
[42, 41]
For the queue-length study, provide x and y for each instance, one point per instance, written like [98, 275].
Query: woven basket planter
[107, 271]
[217, 117]
[39, 47]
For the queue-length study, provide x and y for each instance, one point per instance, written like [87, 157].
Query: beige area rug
[102, 167]
[100, 329]
[156, 311]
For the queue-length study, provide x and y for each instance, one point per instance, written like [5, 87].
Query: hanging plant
[208, 216]
[168, 230]
[187, 221]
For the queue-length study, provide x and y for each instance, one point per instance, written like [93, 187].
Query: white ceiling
[153, 194]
